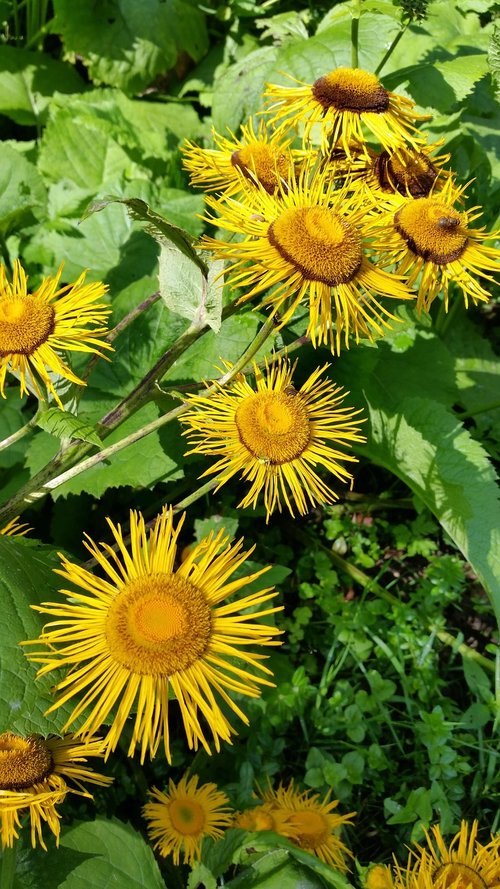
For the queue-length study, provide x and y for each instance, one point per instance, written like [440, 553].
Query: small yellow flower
[308, 241]
[412, 172]
[463, 864]
[432, 243]
[33, 781]
[311, 823]
[36, 327]
[262, 817]
[378, 876]
[179, 819]
[15, 528]
[346, 103]
[274, 436]
[255, 157]
[145, 632]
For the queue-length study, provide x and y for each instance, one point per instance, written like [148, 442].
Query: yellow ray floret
[308, 242]
[145, 631]
[35, 776]
[235, 164]
[274, 436]
[463, 864]
[431, 242]
[311, 822]
[36, 327]
[180, 818]
[346, 104]
[15, 528]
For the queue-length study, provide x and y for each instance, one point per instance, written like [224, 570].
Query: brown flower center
[318, 243]
[187, 817]
[457, 875]
[309, 829]
[261, 161]
[23, 761]
[273, 426]
[158, 625]
[25, 323]
[432, 229]
[406, 172]
[350, 89]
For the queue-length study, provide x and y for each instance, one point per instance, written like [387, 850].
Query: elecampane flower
[34, 776]
[14, 528]
[431, 242]
[36, 327]
[262, 817]
[463, 864]
[311, 823]
[308, 242]
[274, 436]
[146, 630]
[179, 819]
[412, 172]
[254, 157]
[346, 103]
[378, 876]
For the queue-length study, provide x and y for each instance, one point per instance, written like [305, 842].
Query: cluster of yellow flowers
[331, 222]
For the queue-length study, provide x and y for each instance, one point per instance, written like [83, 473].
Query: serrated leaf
[126, 44]
[23, 197]
[65, 425]
[188, 292]
[160, 228]
[494, 57]
[26, 578]
[29, 79]
[100, 853]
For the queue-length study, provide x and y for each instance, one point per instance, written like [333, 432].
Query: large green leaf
[126, 44]
[101, 853]
[23, 197]
[26, 578]
[29, 79]
[409, 388]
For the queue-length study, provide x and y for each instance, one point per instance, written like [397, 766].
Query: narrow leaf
[62, 424]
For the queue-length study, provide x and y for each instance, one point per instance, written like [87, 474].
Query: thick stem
[8, 866]
[392, 47]
[356, 15]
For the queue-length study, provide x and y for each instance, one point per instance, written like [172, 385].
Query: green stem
[16, 436]
[356, 15]
[43, 483]
[371, 585]
[8, 867]
[5, 254]
[445, 319]
[392, 47]
[195, 495]
[483, 409]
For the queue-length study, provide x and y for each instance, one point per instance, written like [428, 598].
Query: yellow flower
[273, 436]
[463, 864]
[346, 103]
[431, 242]
[15, 528]
[261, 817]
[311, 823]
[412, 172]
[308, 241]
[33, 774]
[36, 327]
[181, 818]
[378, 876]
[234, 162]
[145, 631]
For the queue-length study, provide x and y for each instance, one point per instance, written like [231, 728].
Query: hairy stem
[16, 436]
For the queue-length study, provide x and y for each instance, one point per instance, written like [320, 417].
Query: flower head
[33, 774]
[255, 157]
[262, 817]
[36, 327]
[463, 864]
[431, 241]
[308, 241]
[145, 631]
[311, 822]
[378, 876]
[179, 819]
[274, 436]
[412, 172]
[14, 528]
[346, 103]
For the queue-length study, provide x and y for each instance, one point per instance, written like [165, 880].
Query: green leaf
[160, 228]
[28, 80]
[275, 863]
[26, 578]
[127, 45]
[187, 291]
[23, 197]
[65, 425]
[441, 85]
[494, 57]
[100, 853]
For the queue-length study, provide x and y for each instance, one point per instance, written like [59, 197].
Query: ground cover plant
[249, 431]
